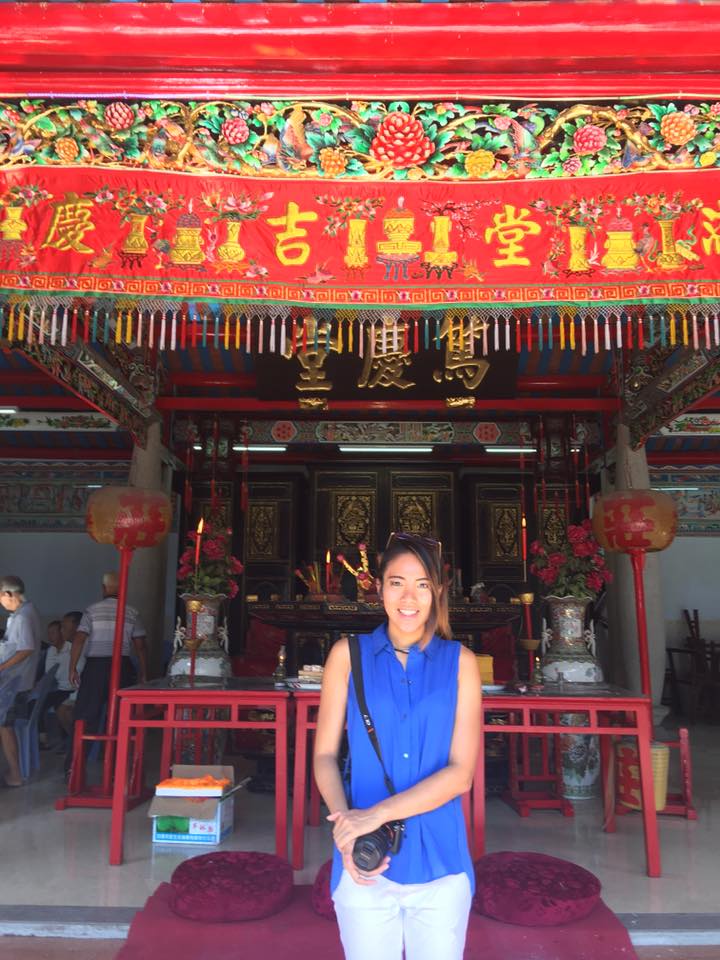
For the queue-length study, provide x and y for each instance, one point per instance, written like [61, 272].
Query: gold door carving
[353, 517]
[415, 513]
[505, 523]
[553, 525]
[262, 530]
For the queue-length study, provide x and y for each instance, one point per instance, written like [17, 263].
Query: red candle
[528, 620]
[328, 572]
[198, 541]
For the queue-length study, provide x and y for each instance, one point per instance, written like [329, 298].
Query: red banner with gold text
[152, 237]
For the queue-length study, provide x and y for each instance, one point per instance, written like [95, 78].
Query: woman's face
[408, 599]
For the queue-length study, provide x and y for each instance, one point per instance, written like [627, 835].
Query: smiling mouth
[408, 613]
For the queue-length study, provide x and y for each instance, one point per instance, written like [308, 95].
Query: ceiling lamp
[389, 449]
[528, 451]
[260, 447]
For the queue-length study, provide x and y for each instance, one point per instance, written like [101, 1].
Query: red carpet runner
[297, 932]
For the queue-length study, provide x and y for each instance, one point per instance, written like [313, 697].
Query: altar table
[611, 712]
[158, 705]
[350, 616]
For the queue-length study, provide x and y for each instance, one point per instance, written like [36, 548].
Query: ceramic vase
[202, 623]
[578, 261]
[569, 659]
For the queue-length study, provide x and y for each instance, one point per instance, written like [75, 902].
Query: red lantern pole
[111, 723]
[637, 558]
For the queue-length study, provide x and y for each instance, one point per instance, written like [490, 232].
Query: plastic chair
[26, 728]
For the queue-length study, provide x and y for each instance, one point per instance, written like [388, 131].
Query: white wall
[690, 574]
[63, 571]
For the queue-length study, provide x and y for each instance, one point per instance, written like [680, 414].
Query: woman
[423, 695]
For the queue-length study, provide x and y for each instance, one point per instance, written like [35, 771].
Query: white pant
[428, 919]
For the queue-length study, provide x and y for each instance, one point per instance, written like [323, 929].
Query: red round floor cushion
[321, 899]
[226, 887]
[532, 889]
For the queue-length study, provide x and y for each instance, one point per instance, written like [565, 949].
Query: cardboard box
[200, 820]
[188, 818]
[190, 771]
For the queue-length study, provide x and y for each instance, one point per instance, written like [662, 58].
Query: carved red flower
[119, 116]
[235, 130]
[401, 142]
[589, 139]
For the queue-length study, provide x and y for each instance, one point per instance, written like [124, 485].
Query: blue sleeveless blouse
[413, 711]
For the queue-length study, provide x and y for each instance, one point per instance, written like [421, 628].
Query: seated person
[53, 637]
[60, 641]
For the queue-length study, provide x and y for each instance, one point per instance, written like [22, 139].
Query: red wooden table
[157, 705]
[306, 708]
[610, 712]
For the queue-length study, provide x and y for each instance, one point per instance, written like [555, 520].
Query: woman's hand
[363, 878]
[351, 824]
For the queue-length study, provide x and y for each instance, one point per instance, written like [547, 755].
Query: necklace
[400, 650]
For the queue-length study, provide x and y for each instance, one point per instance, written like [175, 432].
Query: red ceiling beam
[562, 382]
[48, 401]
[263, 407]
[24, 378]
[293, 49]
[525, 384]
[683, 457]
[237, 381]
[711, 402]
[61, 453]
[186, 85]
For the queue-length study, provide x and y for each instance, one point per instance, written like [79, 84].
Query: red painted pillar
[111, 725]
[637, 558]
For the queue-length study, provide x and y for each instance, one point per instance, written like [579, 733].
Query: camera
[371, 849]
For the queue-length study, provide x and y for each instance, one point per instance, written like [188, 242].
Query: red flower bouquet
[216, 570]
[576, 568]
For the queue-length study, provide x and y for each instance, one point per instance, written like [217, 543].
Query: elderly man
[94, 637]
[19, 653]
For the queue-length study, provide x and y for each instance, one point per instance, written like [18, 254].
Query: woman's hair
[428, 552]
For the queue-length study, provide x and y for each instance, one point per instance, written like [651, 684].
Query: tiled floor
[61, 858]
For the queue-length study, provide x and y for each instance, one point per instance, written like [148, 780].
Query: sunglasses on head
[433, 547]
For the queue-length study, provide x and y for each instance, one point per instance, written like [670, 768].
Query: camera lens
[370, 850]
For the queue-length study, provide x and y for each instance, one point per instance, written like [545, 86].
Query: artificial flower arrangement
[207, 565]
[575, 569]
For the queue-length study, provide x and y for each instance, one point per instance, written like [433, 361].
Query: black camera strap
[356, 667]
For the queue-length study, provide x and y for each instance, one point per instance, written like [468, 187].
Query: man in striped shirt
[94, 638]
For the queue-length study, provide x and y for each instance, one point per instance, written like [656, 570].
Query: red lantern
[635, 520]
[128, 517]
